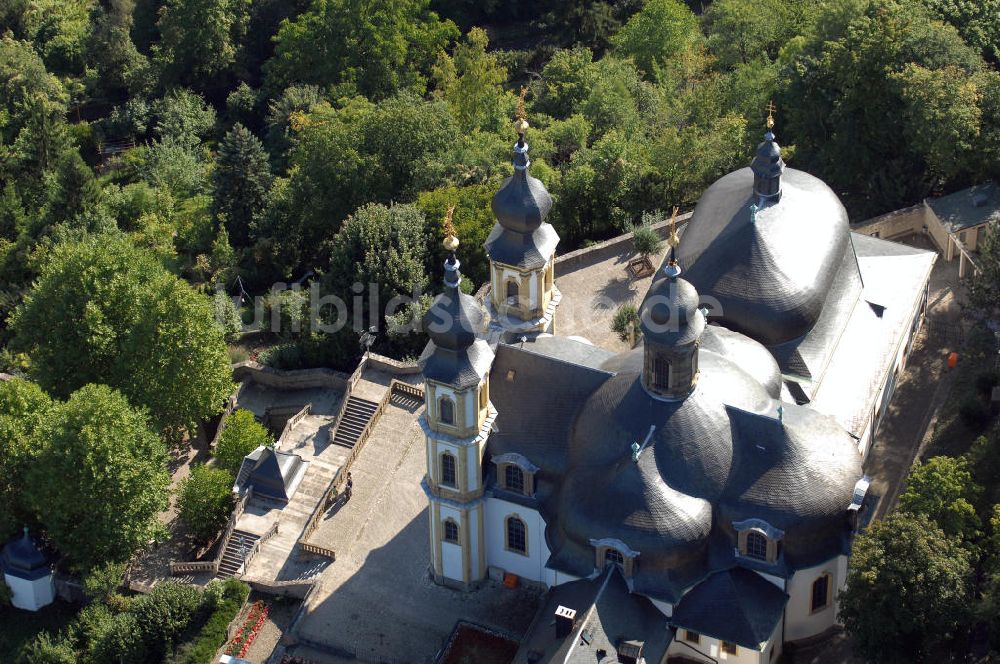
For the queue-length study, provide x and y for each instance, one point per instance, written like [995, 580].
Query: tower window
[447, 408]
[756, 545]
[450, 531]
[512, 293]
[661, 373]
[730, 648]
[483, 396]
[821, 593]
[448, 469]
[513, 478]
[517, 538]
[614, 557]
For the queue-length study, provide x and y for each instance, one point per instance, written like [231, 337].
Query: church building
[708, 482]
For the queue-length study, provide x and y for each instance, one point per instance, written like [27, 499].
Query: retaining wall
[301, 379]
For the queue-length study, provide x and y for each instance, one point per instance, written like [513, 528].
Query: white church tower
[456, 423]
[522, 248]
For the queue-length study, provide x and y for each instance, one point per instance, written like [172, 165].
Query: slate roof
[977, 205]
[607, 614]
[23, 559]
[462, 368]
[770, 277]
[271, 473]
[703, 468]
[737, 605]
[528, 251]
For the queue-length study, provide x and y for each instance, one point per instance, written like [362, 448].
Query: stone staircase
[352, 423]
[239, 547]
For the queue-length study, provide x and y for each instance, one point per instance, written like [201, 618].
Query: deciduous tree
[100, 478]
[241, 436]
[205, 499]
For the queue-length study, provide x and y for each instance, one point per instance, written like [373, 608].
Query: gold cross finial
[673, 240]
[770, 114]
[522, 116]
[451, 236]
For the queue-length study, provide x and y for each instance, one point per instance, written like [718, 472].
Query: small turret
[767, 165]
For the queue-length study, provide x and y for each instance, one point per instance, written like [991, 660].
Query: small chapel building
[708, 482]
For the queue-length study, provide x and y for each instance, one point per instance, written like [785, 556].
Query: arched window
[517, 538]
[512, 293]
[513, 478]
[661, 373]
[756, 545]
[447, 410]
[614, 557]
[821, 593]
[450, 531]
[448, 469]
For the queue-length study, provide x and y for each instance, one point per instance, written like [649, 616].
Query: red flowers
[240, 645]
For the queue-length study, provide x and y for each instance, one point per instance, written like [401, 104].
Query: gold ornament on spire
[673, 240]
[770, 114]
[451, 236]
[521, 125]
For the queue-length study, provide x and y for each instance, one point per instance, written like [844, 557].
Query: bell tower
[456, 423]
[521, 248]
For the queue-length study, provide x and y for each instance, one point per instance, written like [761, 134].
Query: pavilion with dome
[706, 483]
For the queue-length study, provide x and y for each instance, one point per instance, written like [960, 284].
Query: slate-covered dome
[669, 312]
[523, 202]
[454, 319]
[723, 452]
[769, 262]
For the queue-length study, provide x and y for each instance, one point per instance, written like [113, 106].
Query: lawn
[19, 627]
[952, 435]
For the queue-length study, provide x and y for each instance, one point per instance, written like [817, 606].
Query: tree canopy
[99, 479]
[103, 311]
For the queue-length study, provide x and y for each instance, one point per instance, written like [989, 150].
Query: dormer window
[614, 557]
[514, 478]
[758, 540]
[756, 546]
[447, 411]
[515, 473]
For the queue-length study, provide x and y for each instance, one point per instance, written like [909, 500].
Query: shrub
[646, 240]
[205, 500]
[241, 436]
[163, 615]
[122, 641]
[101, 582]
[625, 321]
[90, 625]
[46, 649]
[224, 599]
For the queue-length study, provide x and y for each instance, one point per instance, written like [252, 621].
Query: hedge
[214, 633]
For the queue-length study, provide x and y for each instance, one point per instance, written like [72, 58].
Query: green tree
[23, 406]
[472, 84]
[473, 221]
[241, 436]
[658, 33]
[646, 240]
[978, 21]
[376, 47]
[942, 489]
[100, 479]
[199, 39]
[741, 31]
[103, 311]
[183, 116]
[383, 247]
[205, 499]
[242, 177]
[907, 589]
[47, 649]
[118, 66]
[102, 582]
[626, 321]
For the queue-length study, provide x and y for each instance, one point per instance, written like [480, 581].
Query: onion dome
[454, 319]
[768, 261]
[523, 202]
[456, 355]
[23, 559]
